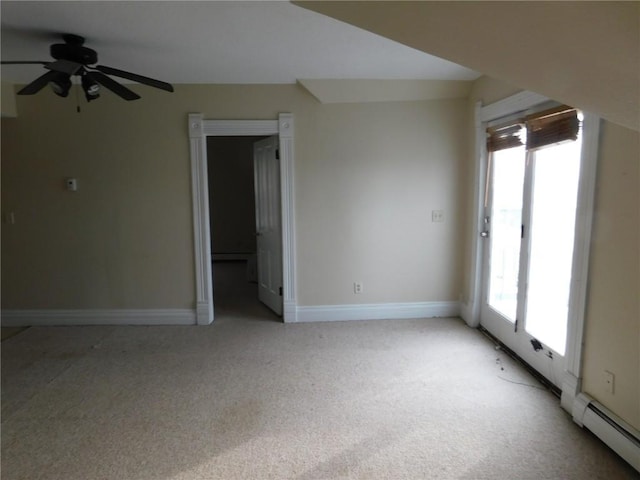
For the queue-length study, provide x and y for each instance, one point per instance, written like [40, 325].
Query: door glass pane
[505, 226]
[554, 199]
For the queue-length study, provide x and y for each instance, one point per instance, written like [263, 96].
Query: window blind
[505, 136]
[553, 126]
[540, 129]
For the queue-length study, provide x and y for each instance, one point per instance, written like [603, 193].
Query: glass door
[530, 215]
[503, 229]
[554, 195]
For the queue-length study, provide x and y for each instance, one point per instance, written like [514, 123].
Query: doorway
[232, 213]
[199, 130]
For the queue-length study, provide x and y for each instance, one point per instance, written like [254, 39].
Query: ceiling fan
[72, 58]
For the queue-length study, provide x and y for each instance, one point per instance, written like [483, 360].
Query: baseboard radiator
[621, 437]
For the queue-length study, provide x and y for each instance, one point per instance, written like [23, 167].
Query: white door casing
[199, 129]
[266, 169]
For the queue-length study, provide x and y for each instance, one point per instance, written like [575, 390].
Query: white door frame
[199, 130]
[571, 384]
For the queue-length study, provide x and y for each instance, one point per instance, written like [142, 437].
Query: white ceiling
[213, 42]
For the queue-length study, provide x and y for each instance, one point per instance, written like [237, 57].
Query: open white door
[268, 222]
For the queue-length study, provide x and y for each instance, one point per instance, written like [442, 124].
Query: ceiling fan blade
[21, 62]
[38, 84]
[135, 77]
[112, 85]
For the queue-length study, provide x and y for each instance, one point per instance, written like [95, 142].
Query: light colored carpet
[251, 398]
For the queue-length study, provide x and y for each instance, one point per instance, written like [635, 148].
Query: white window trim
[199, 129]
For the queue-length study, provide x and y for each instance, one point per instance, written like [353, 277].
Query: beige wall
[123, 239]
[365, 200]
[612, 335]
[612, 323]
[367, 177]
[8, 100]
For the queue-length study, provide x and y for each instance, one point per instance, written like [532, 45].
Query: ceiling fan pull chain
[77, 99]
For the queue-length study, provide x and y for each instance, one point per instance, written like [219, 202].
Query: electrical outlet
[437, 216]
[609, 382]
[357, 287]
[71, 184]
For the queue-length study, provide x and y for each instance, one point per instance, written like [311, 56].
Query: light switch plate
[437, 216]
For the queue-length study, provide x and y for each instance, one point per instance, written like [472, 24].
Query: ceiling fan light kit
[60, 83]
[91, 88]
[72, 58]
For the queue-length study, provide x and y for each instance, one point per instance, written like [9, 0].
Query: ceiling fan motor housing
[73, 51]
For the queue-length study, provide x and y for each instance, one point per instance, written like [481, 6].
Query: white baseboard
[24, 318]
[571, 386]
[336, 313]
[609, 428]
[290, 312]
[322, 313]
[204, 314]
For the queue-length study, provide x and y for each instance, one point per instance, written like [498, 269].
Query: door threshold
[537, 375]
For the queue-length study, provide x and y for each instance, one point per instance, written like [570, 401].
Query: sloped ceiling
[212, 42]
[585, 54]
